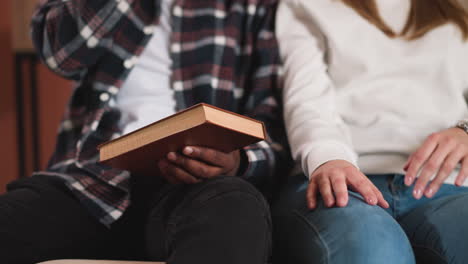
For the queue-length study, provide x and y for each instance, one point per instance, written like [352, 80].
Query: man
[134, 62]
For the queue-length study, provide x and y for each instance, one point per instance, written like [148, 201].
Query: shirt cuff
[323, 153]
[260, 160]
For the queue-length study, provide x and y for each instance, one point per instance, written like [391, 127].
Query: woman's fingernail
[188, 150]
[417, 193]
[429, 192]
[370, 201]
[409, 180]
[460, 181]
[341, 202]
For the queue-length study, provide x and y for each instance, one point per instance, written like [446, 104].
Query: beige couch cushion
[76, 261]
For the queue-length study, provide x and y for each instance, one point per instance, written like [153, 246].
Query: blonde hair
[424, 16]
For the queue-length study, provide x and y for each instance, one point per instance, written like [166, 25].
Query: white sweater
[352, 93]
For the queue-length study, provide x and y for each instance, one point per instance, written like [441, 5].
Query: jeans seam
[394, 192]
[442, 258]
[308, 223]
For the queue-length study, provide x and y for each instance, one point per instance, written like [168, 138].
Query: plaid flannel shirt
[224, 53]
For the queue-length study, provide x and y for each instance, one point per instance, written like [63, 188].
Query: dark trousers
[224, 220]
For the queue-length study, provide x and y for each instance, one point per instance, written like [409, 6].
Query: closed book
[200, 125]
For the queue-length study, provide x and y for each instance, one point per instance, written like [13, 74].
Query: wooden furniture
[22, 13]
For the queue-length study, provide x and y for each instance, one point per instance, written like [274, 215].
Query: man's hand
[198, 163]
[439, 155]
[332, 180]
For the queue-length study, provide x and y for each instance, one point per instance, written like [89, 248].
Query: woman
[374, 108]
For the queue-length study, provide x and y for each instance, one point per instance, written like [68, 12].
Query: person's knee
[358, 233]
[221, 213]
[370, 238]
[234, 197]
[232, 192]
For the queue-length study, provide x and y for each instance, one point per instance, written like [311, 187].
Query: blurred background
[32, 99]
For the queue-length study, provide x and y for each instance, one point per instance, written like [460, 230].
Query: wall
[7, 107]
[53, 92]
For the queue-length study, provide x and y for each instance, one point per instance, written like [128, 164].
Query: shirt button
[67, 125]
[113, 90]
[104, 97]
[129, 63]
[148, 30]
[92, 42]
[252, 9]
[177, 11]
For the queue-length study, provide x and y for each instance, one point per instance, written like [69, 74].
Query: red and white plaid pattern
[224, 53]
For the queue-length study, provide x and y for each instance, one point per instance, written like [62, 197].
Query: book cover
[200, 125]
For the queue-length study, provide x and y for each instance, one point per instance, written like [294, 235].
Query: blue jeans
[427, 230]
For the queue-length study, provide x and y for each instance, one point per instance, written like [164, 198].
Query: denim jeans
[423, 231]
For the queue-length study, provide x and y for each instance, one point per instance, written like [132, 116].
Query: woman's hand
[198, 163]
[439, 155]
[332, 180]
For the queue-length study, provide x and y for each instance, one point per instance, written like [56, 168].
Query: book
[200, 125]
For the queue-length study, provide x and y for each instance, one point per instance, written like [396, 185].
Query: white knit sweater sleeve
[316, 132]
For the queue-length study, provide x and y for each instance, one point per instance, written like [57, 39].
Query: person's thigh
[357, 233]
[223, 220]
[40, 221]
[438, 230]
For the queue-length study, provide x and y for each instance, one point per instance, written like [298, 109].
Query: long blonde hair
[424, 16]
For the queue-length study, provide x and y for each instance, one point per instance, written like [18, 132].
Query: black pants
[224, 220]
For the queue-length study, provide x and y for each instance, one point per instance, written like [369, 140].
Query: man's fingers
[430, 168]
[446, 168]
[312, 194]
[195, 167]
[175, 174]
[171, 179]
[419, 157]
[326, 191]
[163, 165]
[338, 183]
[208, 155]
[182, 175]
